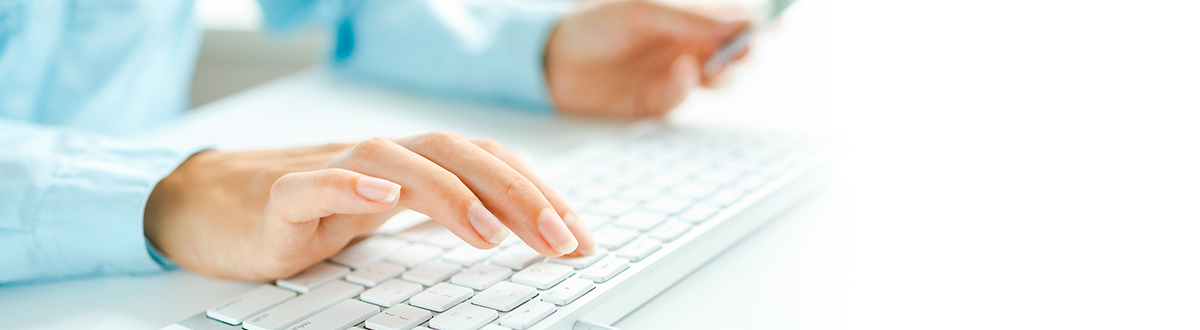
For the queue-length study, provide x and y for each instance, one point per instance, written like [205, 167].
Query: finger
[307, 196]
[682, 75]
[514, 198]
[587, 245]
[428, 189]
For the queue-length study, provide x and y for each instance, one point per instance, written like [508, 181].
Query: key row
[439, 297]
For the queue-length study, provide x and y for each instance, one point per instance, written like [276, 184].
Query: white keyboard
[660, 204]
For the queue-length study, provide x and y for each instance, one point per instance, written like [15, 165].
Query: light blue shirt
[76, 75]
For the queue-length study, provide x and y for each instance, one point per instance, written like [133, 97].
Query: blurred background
[237, 53]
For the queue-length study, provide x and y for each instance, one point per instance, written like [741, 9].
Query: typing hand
[633, 58]
[263, 215]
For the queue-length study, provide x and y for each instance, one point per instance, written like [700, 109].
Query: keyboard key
[594, 220]
[510, 241]
[441, 297]
[313, 277]
[419, 232]
[542, 275]
[400, 317]
[725, 197]
[481, 277]
[618, 178]
[605, 270]
[431, 273]
[666, 179]
[670, 230]
[463, 317]
[581, 262]
[391, 292]
[527, 315]
[467, 255]
[718, 178]
[236, 310]
[414, 254]
[640, 193]
[698, 213]
[639, 249]
[693, 190]
[613, 237]
[517, 257]
[567, 291]
[642, 221]
[576, 203]
[443, 239]
[612, 207]
[494, 327]
[594, 192]
[667, 205]
[368, 251]
[751, 182]
[504, 296]
[341, 316]
[299, 308]
[373, 274]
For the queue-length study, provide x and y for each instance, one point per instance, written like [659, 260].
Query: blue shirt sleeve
[72, 203]
[479, 50]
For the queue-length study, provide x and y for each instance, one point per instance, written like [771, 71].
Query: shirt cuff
[92, 212]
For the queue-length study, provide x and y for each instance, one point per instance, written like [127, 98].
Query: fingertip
[378, 190]
[486, 225]
[587, 244]
[555, 232]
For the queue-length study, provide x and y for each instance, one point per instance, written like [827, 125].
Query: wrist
[165, 199]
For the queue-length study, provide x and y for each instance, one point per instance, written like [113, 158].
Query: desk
[316, 106]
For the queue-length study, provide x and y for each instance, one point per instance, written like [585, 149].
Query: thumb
[306, 196]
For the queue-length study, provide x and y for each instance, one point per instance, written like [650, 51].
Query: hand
[262, 215]
[632, 58]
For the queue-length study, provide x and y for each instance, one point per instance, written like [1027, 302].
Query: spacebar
[301, 307]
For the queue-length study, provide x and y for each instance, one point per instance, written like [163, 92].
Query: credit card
[768, 13]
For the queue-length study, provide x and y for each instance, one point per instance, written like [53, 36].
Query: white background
[1017, 164]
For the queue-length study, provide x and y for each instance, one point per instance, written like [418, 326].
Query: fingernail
[486, 224]
[377, 189]
[555, 232]
[571, 218]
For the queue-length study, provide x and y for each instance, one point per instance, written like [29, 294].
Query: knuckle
[440, 138]
[518, 188]
[280, 183]
[369, 148]
[489, 144]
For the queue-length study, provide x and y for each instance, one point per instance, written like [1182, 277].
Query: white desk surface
[1014, 166]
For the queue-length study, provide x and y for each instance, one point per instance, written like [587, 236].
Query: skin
[262, 215]
[635, 59]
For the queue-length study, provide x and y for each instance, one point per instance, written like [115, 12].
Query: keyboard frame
[645, 279]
